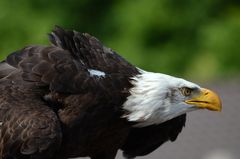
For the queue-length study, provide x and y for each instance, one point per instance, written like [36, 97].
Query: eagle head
[156, 98]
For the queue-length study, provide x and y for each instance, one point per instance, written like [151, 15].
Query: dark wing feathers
[142, 141]
[60, 69]
[5, 69]
[65, 67]
[91, 52]
[32, 130]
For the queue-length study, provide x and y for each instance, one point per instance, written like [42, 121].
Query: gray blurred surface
[208, 135]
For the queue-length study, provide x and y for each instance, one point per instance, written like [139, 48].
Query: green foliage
[197, 39]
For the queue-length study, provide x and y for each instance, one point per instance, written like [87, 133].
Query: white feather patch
[96, 73]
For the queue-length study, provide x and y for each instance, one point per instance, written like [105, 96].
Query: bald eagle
[79, 98]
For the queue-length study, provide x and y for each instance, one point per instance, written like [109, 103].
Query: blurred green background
[194, 39]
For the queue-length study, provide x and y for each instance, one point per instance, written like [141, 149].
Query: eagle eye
[186, 91]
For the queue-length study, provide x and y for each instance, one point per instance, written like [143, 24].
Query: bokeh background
[196, 40]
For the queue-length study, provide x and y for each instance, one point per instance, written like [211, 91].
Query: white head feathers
[156, 98]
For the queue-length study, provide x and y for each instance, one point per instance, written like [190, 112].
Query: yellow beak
[206, 100]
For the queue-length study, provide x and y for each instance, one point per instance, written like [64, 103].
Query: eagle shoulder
[77, 63]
